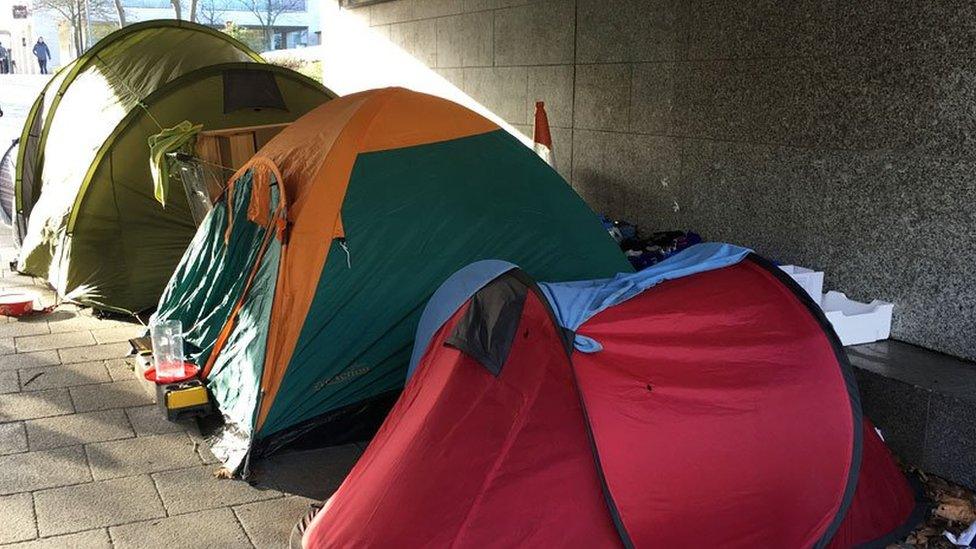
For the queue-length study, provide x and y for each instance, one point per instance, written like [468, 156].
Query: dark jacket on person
[41, 51]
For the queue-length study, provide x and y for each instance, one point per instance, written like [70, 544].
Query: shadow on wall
[598, 190]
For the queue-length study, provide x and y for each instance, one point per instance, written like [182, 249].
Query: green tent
[84, 195]
[301, 292]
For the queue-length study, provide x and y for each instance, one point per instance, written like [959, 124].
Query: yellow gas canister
[184, 399]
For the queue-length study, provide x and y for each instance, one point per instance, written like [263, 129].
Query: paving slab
[9, 382]
[35, 404]
[203, 449]
[17, 278]
[13, 438]
[29, 360]
[91, 539]
[120, 368]
[118, 334]
[76, 429]
[66, 375]
[94, 352]
[86, 460]
[44, 469]
[22, 328]
[194, 489]
[42, 287]
[149, 420]
[203, 530]
[11, 282]
[104, 396]
[96, 505]
[205, 454]
[311, 473]
[268, 523]
[141, 455]
[66, 320]
[53, 341]
[17, 524]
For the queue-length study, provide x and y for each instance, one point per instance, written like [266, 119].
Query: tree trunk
[76, 32]
[193, 10]
[268, 34]
[121, 11]
[177, 8]
[76, 23]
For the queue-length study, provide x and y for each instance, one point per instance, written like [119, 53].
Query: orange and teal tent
[302, 290]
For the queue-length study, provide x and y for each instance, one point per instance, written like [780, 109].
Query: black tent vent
[251, 89]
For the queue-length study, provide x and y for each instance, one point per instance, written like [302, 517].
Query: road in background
[17, 94]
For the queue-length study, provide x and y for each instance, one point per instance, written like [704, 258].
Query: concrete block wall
[831, 133]
[506, 54]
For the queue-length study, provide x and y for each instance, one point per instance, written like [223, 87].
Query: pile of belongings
[644, 252]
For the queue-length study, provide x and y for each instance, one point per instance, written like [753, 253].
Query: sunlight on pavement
[17, 92]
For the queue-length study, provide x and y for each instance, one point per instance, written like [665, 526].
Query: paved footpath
[17, 93]
[87, 461]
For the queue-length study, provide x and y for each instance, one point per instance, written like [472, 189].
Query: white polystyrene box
[808, 279]
[857, 322]
[143, 363]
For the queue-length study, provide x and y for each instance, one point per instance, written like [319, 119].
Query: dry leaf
[223, 472]
[956, 509]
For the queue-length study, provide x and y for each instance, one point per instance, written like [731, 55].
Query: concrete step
[924, 402]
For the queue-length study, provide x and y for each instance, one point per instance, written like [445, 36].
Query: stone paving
[87, 461]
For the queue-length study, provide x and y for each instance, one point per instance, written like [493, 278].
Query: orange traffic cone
[542, 137]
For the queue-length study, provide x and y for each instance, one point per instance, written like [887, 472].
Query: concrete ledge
[924, 404]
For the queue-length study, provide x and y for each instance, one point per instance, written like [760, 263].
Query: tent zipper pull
[345, 248]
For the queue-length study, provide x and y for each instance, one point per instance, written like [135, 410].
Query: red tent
[709, 405]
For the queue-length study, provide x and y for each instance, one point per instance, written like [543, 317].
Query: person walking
[42, 54]
[4, 60]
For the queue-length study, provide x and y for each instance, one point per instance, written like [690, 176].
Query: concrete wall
[838, 135]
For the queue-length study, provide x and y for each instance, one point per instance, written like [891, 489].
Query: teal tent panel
[412, 217]
[235, 380]
[211, 275]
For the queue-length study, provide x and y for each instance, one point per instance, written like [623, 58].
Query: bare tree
[120, 11]
[268, 11]
[178, 9]
[73, 13]
[209, 14]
